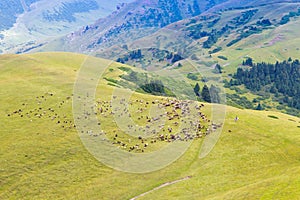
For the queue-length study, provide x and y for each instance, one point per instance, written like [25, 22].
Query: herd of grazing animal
[135, 129]
[130, 125]
[39, 109]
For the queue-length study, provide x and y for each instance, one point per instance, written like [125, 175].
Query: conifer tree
[197, 89]
[205, 94]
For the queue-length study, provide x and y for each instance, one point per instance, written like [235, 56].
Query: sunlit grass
[256, 157]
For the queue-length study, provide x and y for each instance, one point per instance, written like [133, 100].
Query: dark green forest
[281, 79]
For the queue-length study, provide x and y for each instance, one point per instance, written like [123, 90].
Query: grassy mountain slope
[135, 20]
[242, 23]
[227, 36]
[143, 18]
[277, 42]
[258, 158]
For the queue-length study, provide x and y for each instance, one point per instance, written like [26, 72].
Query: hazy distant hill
[27, 22]
[130, 19]
[143, 18]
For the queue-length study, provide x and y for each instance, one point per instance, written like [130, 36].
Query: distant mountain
[156, 36]
[9, 12]
[134, 20]
[144, 17]
[31, 22]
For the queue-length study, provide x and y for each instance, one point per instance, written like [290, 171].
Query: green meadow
[42, 156]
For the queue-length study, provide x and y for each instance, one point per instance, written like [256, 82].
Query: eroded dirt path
[161, 186]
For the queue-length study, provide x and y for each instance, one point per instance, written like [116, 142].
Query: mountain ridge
[144, 14]
[118, 26]
[32, 22]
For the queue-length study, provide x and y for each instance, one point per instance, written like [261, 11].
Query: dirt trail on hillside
[161, 186]
[272, 42]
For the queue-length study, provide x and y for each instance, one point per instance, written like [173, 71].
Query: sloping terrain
[241, 32]
[133, 21]
[256, 156]
[25, 24]
[226, 37]
[143, 18]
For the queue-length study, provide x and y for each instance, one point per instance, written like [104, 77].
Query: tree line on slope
[281, 79]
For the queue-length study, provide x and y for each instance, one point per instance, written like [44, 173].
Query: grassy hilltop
[256, 157]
